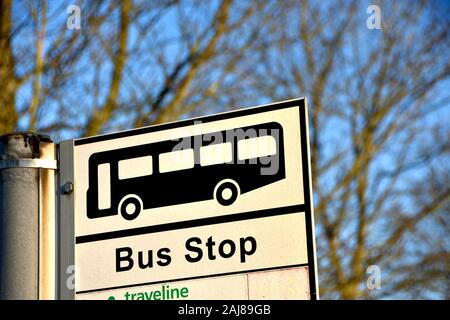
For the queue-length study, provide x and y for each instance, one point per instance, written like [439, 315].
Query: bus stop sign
[216, 207]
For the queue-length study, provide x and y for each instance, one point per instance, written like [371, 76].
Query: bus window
[135, 167]
[176, 160]
[104, 186]
[256, 147]
[216, 154]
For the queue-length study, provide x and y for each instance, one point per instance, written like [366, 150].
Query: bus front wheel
[130, 207]
[226, 192]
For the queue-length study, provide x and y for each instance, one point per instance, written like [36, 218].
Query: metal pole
[27, 217]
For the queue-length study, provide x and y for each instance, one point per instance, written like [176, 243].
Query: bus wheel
[130, 207]
[226, 192]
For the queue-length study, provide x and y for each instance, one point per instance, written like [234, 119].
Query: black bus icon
[220, 165]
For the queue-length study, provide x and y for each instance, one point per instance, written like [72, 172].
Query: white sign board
[217, 207]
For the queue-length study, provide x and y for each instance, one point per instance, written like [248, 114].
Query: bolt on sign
[217, 207]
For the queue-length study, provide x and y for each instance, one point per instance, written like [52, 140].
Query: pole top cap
[19, 145]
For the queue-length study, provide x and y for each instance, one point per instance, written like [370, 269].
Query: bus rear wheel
[226, 192]
[130, 207]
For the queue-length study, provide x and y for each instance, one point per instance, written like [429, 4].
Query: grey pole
[26, 231]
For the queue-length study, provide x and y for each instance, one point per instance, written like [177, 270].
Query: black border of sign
[301, 104]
